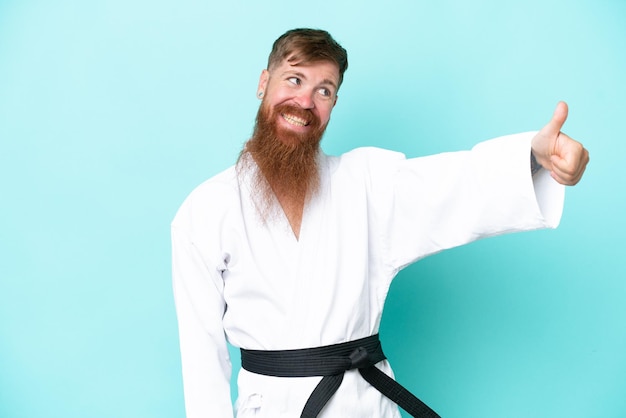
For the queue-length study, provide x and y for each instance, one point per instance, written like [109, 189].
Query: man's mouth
[294, 120]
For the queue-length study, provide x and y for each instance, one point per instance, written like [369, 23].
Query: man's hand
[564, 157]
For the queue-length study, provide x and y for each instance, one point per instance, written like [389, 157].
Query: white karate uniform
[255, 284]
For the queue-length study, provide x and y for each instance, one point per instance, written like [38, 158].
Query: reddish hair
[304, 46]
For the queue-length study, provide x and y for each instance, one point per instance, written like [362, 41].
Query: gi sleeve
[450, 199]
[200, 306]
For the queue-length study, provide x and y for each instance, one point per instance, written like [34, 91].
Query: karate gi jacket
[254, 284]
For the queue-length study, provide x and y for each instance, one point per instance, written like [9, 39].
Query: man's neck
[293, 207]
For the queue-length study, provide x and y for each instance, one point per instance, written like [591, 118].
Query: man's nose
[305, 100]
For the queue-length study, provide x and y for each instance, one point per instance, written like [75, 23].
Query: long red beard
[286, 161]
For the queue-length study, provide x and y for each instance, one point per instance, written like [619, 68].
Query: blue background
[111, 111]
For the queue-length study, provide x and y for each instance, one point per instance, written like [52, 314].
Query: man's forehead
[328, 66]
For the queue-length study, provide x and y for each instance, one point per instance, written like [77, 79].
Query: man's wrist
[534, 165]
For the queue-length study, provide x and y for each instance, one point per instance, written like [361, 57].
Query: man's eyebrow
[331, 82]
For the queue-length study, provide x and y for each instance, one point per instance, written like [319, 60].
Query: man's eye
[325, 92]
[294, 80]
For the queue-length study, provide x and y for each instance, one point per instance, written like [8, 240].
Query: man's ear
[335, 102]
[263, 79]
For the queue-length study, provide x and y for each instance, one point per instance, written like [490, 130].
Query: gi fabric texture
[238, 278]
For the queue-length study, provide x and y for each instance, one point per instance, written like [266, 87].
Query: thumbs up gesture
[564, 157]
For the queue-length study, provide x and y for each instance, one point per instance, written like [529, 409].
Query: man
[291, 249]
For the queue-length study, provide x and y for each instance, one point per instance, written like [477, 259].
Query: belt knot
[359, 358]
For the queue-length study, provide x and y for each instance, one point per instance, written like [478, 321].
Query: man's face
[299, 98]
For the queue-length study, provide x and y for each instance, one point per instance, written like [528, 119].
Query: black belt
[331, 361]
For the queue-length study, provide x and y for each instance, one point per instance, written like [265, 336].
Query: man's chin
[290, 137]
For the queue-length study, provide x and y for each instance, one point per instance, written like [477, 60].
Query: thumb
[558, 119]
